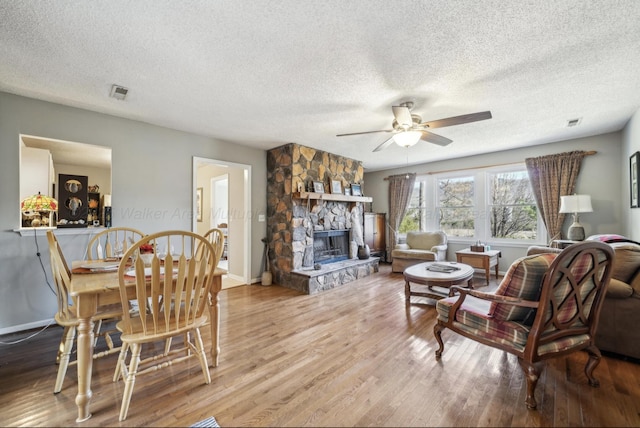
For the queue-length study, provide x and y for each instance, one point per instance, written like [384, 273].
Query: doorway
[219, 201]
[226, 201]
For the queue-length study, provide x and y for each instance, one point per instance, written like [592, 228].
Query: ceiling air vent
[118, 92]
[574, 122]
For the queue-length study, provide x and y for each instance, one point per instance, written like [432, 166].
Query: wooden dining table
[93, 288]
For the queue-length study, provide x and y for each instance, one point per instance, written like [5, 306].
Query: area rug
[206, 423]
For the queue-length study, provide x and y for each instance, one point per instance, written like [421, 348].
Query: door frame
[246, 218]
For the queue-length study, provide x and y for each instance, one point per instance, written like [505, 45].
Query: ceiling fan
[408, 128]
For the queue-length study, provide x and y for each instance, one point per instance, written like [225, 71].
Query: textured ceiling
[266, 73]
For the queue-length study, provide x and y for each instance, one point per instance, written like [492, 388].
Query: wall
[600, 177]
[151, 188]
[630, 145]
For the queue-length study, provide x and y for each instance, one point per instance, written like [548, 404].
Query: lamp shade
[39, 203]
[575, 204]
[407, 138]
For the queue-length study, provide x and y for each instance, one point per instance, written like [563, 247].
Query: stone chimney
[291, 220]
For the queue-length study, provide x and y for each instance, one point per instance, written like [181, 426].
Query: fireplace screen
[330, 246]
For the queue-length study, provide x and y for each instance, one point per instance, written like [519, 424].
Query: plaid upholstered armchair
[546, 306]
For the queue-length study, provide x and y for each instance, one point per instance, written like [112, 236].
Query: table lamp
[575, 204]
[33, 206]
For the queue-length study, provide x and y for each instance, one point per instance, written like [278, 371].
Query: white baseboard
[28, 326]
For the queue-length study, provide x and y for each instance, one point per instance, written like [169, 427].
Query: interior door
[238, 224]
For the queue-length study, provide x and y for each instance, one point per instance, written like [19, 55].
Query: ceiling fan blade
[458, 120]
[435, 138]
[384, 145]
[403, 116]
[366, 132]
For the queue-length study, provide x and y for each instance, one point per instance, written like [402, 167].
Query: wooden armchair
[547, 306]
[216, 237]
[112, 242]
[176, 289]
[66, 315]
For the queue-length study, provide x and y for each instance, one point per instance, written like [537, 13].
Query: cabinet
[374, 234]
[37, 174]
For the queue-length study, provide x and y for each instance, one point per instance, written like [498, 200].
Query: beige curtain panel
[553, 176]
[400, 188]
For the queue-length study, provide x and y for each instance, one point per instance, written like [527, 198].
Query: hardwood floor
[353, 356]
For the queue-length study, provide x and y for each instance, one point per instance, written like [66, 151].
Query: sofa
[618, 330]
[419, 247]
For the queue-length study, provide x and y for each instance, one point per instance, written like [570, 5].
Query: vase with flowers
[146, 253]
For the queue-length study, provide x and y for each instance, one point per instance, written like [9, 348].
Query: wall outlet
[261, 217]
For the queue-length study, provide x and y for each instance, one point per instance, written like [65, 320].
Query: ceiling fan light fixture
[407, 138]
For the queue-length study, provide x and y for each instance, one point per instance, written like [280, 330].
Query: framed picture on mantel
[336, 187]
[356, 190]
[318, 187]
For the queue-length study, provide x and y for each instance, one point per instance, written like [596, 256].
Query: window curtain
[400, 188]
[553, 176]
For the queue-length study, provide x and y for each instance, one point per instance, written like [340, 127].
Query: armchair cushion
[473, 318]
[415, 254]
[539, 249]
[522, 280]
[419, 247]
[618, 289]
[426, 240]
[626, 264]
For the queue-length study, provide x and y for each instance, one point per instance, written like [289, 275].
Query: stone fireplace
[306, 230]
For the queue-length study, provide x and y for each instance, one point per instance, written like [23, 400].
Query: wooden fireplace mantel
[332, 197]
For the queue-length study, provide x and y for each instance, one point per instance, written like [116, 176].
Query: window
[491, 204]
[413, 218]
[456, 206]
[513, 212]
[43, 160]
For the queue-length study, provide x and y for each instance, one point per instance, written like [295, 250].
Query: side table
[562, 243]
[480, 260]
